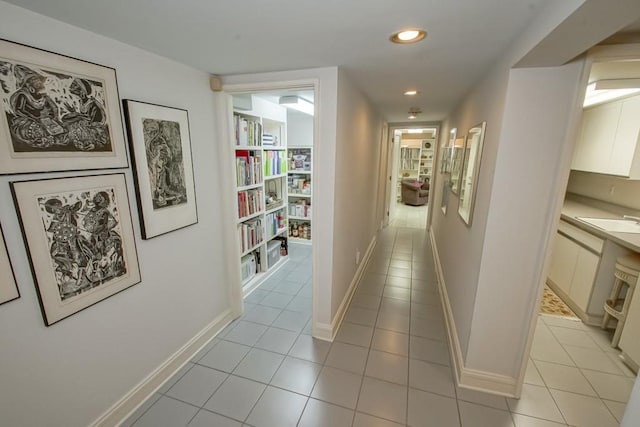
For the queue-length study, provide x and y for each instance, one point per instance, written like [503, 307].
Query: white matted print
[161, 152]
[79, 237]
[57, 113]
[8, 287]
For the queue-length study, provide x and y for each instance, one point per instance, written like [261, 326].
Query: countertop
[573, 209]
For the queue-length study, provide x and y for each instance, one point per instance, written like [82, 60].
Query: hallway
[389, 365]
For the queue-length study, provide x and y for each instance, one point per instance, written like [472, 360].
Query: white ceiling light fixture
[411, 92]
[297, 103]
[411, 35]
[609, 89]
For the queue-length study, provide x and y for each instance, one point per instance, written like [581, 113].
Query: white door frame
[392, 179]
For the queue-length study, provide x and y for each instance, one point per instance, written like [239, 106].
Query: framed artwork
[163, 167]
[8, 288]
[79, 237]
[57, 113]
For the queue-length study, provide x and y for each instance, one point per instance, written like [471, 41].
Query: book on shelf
[248, 132]
[250, 234]
[275, 163]
[275, 221]
[248, 168]
[249, 202]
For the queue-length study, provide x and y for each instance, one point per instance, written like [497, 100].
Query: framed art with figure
[8, 288]
[79, 237]
[57, 113]
[163, 168]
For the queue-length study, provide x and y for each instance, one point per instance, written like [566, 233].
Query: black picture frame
[8, 284]
[79, 237]
[57, 113]
[160, 144]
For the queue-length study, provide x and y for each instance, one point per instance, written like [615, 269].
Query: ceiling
[232, 37]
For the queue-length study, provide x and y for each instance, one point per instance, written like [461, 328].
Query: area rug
[552, 304]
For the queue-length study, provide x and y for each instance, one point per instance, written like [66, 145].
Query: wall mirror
[470, 169]
[445, 156]
[456, 163]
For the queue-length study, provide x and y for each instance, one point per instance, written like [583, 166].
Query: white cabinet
[573, 270]
[629, 342]
[608, 139]
[563, 262]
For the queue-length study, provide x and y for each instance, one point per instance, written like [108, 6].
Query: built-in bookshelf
[426, 159]
[261, 190]
[299, 189]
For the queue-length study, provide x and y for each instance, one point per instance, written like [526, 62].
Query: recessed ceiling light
[408, 36]
[411, 92]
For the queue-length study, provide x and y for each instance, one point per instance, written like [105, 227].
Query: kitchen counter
[573, 209]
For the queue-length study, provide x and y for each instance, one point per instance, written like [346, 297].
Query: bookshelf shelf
[247, 218]
[249, 187]
[300, 241]
[300, 218]
[300, 190]
[281, 175]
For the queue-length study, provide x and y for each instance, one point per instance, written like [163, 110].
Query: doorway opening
[411, 160]
[272, 132]
[575, 354]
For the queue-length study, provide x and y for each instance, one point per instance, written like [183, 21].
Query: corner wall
[492, 270]
[70, 373]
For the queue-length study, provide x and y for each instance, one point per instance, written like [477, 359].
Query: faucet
[632, 218]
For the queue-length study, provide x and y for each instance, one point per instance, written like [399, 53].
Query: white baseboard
[154, 381]
[472, 379]
[327, 332]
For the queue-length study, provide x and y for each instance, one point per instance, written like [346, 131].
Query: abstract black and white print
[163, 148]
[50, 111]
[84, 239]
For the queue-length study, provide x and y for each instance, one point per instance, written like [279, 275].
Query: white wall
[70, 373]
[358, 150]
[531, 163]
[299, 129]
[598, 187]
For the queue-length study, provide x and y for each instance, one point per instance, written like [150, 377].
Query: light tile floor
[389, 364]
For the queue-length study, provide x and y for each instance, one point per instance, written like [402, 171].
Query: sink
[613, 225]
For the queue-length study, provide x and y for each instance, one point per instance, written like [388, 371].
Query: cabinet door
[626, 138]
[597, 135]
[629, 341]
[583, 278]
[563, 262]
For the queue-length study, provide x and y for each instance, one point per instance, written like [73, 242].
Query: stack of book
[269, 139]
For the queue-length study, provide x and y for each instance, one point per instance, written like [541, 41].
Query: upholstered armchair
[415, 192]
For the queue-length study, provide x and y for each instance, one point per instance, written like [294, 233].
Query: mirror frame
[469, 173]
[457, 158]
[445, 169]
